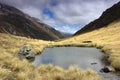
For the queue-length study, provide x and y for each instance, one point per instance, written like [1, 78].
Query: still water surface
[84, 58]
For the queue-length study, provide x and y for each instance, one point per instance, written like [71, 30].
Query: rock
[93, 63]
[107, 69]
[26, 53]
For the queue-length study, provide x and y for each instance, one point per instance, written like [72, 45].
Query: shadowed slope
[13, 21]
[106, 18]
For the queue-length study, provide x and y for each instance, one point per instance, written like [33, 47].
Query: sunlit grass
[11, 44]
[107, 39]
[14, 69]
[73, 73]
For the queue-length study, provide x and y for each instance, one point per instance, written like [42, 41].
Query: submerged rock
[26, 53]
[93, 63]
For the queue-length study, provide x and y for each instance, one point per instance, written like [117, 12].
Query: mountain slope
[106, 38]
[106, 18]
[13, 21]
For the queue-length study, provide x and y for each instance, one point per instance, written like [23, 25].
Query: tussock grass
[11, 68]
[107, 39]
[11, 44]
[73, 73]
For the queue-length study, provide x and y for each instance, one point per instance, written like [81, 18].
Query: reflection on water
[47, 60]
[82, 57]
[85, 58]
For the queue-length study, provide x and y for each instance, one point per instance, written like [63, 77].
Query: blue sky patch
[48, 13]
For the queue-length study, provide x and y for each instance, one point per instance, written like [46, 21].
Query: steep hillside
[106, 18]
[13, 21]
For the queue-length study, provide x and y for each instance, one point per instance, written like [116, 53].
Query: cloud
[68, 28]
[64, 15]
[80, 11]
[32, 11]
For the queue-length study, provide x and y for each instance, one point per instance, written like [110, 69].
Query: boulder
[107, 69]
[26, 52]
[93, 63]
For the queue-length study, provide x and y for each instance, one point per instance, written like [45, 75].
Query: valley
[20, 29]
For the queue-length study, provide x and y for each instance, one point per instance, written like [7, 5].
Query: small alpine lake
[82, 57]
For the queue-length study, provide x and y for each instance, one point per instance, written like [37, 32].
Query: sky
[63, 15]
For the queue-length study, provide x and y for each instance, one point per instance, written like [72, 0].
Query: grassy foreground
[107, 39]
[11, 68]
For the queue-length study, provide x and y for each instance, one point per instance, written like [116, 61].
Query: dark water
[84, 58]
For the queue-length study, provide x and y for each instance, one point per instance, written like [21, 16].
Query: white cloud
[66, 28]
[32, 11]
[78, 12]
[75, 13]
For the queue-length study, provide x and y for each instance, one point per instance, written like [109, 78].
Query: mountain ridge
[107, 17]
[13, 21]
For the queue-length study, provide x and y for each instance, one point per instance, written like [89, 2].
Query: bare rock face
[26, 53]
